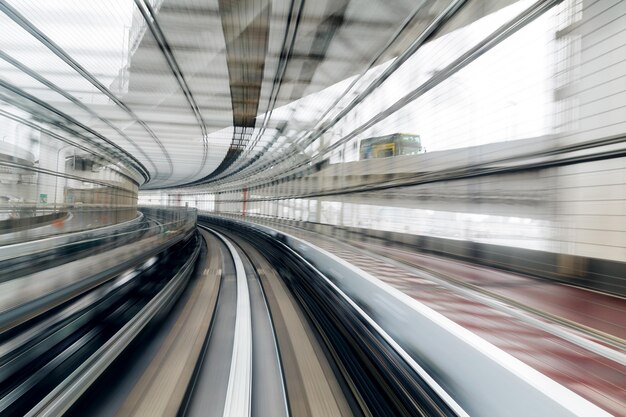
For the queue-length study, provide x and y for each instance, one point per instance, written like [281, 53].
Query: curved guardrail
[67, 281]
[41, 245]
[61, 398]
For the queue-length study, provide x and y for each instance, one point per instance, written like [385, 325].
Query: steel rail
[274, 337]
[239, 392]
[454, 406]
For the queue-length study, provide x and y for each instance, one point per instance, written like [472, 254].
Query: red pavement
[594, 377]
[602, 312]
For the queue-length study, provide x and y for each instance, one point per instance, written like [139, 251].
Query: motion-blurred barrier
[26, 293]
[15, 224]
[64, 221]
[62, 325]
[69, 391]
[64, 241]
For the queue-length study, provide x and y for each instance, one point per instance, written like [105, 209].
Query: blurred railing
[173, 218]
[46, 222]
[95, 289]
[157, 225]
[13, 220]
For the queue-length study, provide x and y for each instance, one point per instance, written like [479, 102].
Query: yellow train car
[395, 144]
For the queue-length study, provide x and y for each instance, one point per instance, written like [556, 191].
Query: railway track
[240, 346]
[254, 330]
[376, 376]
[281, 340]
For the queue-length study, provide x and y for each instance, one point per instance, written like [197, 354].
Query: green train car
[390, 145]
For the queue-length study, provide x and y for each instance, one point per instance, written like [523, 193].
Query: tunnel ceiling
[191, 90]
